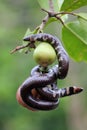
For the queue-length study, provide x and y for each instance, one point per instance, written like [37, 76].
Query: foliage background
[15, 17]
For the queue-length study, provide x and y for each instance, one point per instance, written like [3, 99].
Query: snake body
[25, 91]
[62, 56]
[39, 91]
[48, 91]
[51, 92]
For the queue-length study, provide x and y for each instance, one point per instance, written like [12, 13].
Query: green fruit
[44, 54]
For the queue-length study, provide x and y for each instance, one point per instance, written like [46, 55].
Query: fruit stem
[43, 69]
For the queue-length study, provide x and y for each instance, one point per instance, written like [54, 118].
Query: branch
[53, 14]
[19, 48]
[39, 29]
[42, 25]
[70, 13]
[51, 6]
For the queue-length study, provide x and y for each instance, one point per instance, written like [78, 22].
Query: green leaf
[83, 26]
[52, 19]
[45, 4]
[79, 31]
[82, 16]
[70, 5]
[75, 41]
[60, 2]
[64, 17]
[28, 32]
[55, 4]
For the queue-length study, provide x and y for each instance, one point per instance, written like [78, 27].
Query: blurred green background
[15, 17]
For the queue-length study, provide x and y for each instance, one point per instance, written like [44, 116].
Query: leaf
[75, 41]
[55, 4]
[82, 16]
[79, 31]
[45, 4]
[70, 5]
[60, 2]
[83, 25]
[64, 17]
[52, 19]
[28, 32]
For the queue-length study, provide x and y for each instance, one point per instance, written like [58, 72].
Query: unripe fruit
[44, 54]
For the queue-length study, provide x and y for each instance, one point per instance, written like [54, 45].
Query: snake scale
[39, 91]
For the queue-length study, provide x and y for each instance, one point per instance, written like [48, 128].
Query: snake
[39, 91]
[62, 56]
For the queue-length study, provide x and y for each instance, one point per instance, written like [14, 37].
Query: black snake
[40, 91]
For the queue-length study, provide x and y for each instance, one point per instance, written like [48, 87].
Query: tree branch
[40, 28]
[42, 25]
[19, 48]
[51, 6]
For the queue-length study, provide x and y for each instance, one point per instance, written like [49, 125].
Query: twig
[50, 14]
[19, 48]
[51, 6]
[57, 17]
[74, 14]
[54, 14]
[42, 25]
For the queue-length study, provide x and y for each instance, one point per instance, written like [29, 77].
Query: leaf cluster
[74, 33]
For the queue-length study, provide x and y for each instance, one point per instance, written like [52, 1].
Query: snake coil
[39, 91]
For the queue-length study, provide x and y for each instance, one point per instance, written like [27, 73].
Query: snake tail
[69, 91]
